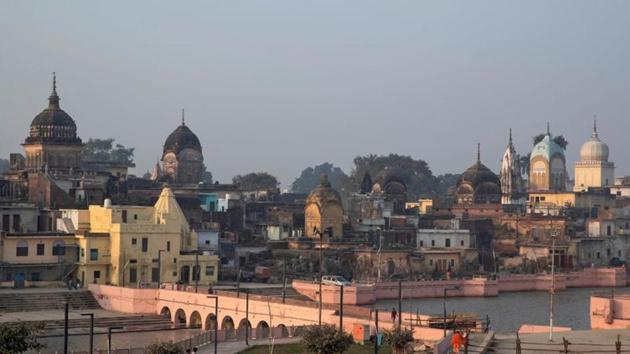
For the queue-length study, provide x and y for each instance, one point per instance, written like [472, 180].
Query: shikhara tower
[512, 189]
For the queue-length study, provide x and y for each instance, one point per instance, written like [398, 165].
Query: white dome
[594, 149]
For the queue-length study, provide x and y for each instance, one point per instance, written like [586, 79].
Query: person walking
[394, 314]
[457, 341]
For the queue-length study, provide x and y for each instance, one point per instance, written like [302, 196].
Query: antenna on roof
[183, 120]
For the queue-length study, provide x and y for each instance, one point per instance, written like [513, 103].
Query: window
[430, 262]
[6, 223]
[145, 244]
[97, 276]
[16, 222]
[155, 275]
[135, 216]
[421, 243]
[598, 255]
[134, 241]
[40, 249]
[452, 262]
[168, 246]
[608, 252]
[619, 253]
[82, 252]
[124, 216]
[210, 271]
[608, 230]
[461, 243]
[133, 275]
[447, 242]
[35, 276]
[59, 248]
[94, 254]
[22, 249]
[432, 243]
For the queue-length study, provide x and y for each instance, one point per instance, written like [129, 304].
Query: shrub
[326, 339]
[19, 337]
[163, 348]
[398, 338]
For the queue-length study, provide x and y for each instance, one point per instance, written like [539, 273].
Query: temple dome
[389, 181]
[180, 139]
[594, 149]
[53, 125]
[324, 193]
[478, 174]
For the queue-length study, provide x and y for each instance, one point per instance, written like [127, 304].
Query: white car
[335, 280]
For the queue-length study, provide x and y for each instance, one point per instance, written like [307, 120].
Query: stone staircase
[46, 301]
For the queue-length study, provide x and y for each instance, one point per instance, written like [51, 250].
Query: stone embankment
[365, 294]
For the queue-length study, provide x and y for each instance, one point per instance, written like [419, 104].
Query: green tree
[524, 163]
[398, 338]
[309, 178]
[163, 348]
[538, 138]
[105, 150]
[19, 337]
[445, 182]
[414, 172]
[326, 339]
[256, 181]
[560, 140]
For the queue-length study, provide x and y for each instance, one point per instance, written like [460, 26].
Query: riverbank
[366, 294]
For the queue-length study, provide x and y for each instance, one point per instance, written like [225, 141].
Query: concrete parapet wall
[125, 300]
[478, 287]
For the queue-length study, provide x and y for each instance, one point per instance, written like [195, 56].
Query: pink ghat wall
[479, 287]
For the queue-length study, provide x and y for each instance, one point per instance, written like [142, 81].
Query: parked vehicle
[335, 280]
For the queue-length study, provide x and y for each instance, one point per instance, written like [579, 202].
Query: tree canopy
[414, 172]
[559, 139]
[105, 150]
[309, 178]
[256, 181]
[19, 337]
[326, 339]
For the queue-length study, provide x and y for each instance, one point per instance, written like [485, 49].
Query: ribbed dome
[389, 181]
[478, 174]
[594, 149]
[53, 124]
[180, 139]
[324, 193]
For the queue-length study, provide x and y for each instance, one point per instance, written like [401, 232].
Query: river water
[509, 311]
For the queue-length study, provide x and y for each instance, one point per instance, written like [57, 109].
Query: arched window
[59, 248]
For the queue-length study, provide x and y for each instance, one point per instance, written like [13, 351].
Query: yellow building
[594, 170]
[425, 206]
[140, 246]
[323, 211]
[36, 256]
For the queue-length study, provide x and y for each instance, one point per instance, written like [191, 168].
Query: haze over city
[279, 86]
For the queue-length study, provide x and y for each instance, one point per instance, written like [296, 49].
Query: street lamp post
[216, 320]
[197, 271]
[159, 277]
[553, 283]
[444, 306]
[380, 246]
[109, 338]
[91, 330]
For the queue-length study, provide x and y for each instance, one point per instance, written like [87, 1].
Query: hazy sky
[280, 85]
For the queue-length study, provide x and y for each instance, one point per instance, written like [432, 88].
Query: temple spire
[53, 100]
[479, 152]
[183, 120]
[594, 126]
[548, 129]
[510, 136]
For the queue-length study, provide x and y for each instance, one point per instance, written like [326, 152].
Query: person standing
[394, 314]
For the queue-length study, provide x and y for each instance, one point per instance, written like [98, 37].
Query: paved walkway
[593, 341]
[235, 347]
[51, 315]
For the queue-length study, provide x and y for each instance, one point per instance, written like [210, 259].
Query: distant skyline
[278, 86]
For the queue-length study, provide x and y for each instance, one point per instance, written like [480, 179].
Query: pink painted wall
[541, 329]
[610, 313]
[126, 300]
[369, 294]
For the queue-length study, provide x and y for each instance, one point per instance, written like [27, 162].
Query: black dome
[478, 174]
[180, 139]
[53, 124]
[54, 116]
